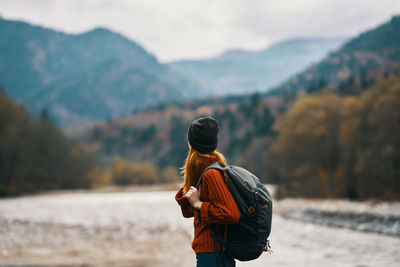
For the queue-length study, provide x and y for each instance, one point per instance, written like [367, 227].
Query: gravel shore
[368, 216]
[53, 244]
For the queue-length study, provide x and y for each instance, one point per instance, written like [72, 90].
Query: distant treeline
[124, 172]
[340, 146]
[35, 155]
[321, 145]
[159, 135]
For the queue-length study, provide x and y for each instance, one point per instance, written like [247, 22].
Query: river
[147, 229]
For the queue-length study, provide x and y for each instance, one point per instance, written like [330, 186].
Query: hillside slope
[372, 53]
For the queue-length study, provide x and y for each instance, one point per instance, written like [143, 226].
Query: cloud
[176, 29]
[285, 18]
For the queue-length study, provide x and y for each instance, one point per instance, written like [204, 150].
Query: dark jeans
[208, 260]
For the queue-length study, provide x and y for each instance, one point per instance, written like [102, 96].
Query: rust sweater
[218, 208]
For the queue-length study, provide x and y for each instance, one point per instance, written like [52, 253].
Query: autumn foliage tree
[378, 162]
[307, 148]
[335, 146]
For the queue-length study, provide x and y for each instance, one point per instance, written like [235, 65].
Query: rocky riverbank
[147, 229]
[376, 217]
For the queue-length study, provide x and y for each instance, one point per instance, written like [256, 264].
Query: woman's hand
[193, 195]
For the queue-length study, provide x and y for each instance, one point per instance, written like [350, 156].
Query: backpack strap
[215, 245]
[214, 165]
[214, 233]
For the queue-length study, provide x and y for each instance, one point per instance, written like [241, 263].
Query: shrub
[125, 172]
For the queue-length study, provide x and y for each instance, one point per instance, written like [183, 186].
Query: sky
[195, 29]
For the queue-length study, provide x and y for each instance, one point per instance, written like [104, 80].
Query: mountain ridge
[39, 66]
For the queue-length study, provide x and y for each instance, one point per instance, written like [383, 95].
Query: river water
[147, 229]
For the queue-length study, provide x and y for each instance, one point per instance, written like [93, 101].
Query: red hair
[196, 163]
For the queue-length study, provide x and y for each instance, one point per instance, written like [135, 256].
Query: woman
[212, 203]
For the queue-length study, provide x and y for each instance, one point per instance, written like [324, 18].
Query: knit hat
[203, 134]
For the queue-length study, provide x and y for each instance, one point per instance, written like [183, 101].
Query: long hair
[196, 163]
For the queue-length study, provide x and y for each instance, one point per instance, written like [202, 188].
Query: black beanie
[203, 134]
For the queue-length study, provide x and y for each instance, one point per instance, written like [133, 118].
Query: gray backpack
[247, 239]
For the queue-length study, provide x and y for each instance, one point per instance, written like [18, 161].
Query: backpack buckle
[251, 210]
[267, 247]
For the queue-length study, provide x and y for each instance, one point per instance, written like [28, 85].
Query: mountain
[85, 77]
[373, 53]
[240, 71]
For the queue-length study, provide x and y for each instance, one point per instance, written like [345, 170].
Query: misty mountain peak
[102, 32]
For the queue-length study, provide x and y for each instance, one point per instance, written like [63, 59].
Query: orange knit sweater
[218, 208]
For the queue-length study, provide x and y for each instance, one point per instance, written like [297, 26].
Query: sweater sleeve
[184, 203]
[221, 209]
